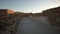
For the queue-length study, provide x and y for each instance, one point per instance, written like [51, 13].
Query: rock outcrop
[53, 16]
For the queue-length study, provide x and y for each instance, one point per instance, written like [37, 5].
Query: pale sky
[34, 6]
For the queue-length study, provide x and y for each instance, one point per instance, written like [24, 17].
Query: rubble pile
[9, 23]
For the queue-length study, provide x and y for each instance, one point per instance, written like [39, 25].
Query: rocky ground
[35, 25]
[9, 24]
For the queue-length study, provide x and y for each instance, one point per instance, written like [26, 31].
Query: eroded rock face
[53, 16]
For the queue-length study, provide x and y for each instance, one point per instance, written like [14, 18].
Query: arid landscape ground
[47, 22]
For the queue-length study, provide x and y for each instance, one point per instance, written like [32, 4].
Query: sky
[34, 6]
